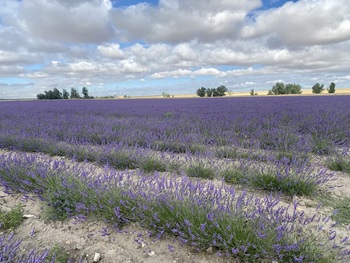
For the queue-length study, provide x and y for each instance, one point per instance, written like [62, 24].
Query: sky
[133, 48]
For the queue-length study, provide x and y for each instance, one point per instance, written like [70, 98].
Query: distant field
[340, 91]
[239, 177]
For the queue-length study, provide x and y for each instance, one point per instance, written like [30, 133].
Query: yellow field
[340, 91]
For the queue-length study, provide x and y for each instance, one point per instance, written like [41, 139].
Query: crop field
[251, 179]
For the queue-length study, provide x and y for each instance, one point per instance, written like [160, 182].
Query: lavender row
[291, 176]
[288, 124]
[198, 213]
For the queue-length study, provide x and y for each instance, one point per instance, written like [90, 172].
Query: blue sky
[136, 47]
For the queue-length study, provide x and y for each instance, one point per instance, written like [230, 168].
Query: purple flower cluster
[10, 252]
[288, 124]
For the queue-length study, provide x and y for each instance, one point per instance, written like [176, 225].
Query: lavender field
[242, 177]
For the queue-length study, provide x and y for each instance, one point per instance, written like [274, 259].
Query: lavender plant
[199, 214]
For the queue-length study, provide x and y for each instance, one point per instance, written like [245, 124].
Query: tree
[331, 88]
[221, 90]
[292, 89]
[65, 94]
[85, 93]
[201, 92]
[56, 94]
[74, 94]
[317, 88]
[166, 95]
[210, 92]
[279, 88]
[41, 96]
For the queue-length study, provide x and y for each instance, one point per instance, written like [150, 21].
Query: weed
[200, 170]
[57, 254]
[11, 219]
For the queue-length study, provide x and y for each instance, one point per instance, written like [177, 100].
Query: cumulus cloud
[91, 42]
[305, 22]
[66, 21]
[183, 20]
[111, 50]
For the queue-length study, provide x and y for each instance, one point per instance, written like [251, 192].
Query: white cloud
[66, 21]
[89, 42]
[111, 50]
[305, 22]
[182, 20]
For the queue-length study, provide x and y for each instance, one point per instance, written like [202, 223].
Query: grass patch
[287, 185]
[57, 254]
[341, 163]
[341, 208]
[150, 164]
[232, 176]
[199, 170]
[11, 219]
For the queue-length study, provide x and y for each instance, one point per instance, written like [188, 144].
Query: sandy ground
[132, 244]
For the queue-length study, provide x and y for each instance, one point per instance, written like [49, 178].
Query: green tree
[74, 94]
[41, 96]
[279, 88]
[292, 89]
[56, 94]
[166, 95]
[85, 93]
[201, 92]
[65, 94]
[221, 90]
[210, 92]
[331, 88]
[317, 88]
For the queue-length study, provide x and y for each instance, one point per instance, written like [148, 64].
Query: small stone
[151, 254]
[97, 257]
[210, 250]
[28, 216]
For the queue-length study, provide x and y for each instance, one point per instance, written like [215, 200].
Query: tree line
[278, 89]
[281, 88]
[212, 92]
[55, 94]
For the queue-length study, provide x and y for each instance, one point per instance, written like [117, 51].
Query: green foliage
[199, 170]
[220, 91]
[253, 93]
[86, 93]
[331, 88]
[65, 94]
[280, 88]
[74, 94]
[54, 94]
[11, 219]
[341, 163]
[201, 92]
[288, 185]
[317, 88]
[167, 95]
[150, 164]
[212, 92]
[232, 176]
[57, 254]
